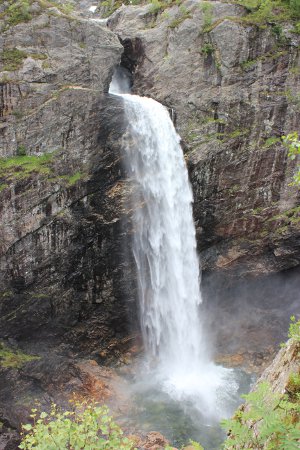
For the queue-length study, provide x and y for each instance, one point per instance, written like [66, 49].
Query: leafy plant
[21, 150]
[89, 426]
[268, 421]
[207, 49]
[291, 141]
[294, 330]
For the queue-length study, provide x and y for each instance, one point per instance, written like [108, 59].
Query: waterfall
[164, 248]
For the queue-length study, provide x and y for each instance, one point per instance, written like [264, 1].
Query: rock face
[64, 278]
[61, 205]
[67, 285]
[233, 87]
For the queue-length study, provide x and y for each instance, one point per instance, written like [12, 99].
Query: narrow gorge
[99, 238]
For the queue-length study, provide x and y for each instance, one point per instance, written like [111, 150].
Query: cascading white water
[164, 247]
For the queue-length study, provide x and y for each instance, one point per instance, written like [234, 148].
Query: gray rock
[233, 88]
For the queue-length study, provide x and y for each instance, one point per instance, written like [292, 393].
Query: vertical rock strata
[61, 185]
[234, 87]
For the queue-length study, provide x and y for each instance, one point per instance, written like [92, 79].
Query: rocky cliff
[67, 286]
[233, 86]
[64, 276]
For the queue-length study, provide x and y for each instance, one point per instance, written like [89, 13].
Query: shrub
[89, 426]
[294, 330]
[12, 58]
[269, 421]
[21, 150]
[291, 141]
[207, 49]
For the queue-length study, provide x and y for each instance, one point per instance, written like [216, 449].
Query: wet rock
[154, 441]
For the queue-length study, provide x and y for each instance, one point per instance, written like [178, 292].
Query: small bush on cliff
[294, 330]
[269, 421]
[291, 141]
[12, 59]
[18, 12]
[88, 427]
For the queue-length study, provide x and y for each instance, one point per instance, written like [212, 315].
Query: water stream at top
[164, 248]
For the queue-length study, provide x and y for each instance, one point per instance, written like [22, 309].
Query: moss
[6, 294]
[286, 215]
[22, 166]
[17, 113]
[184, 14]
[12, 59]
[71, 180]
[46, 65]
[272, 55]
[39, 56]
[271, 141]
[14, 358]
[39, 296]
[294, 70]
[3, 186]
[68, 180]
[281, 230]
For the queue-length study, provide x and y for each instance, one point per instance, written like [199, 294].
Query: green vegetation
[207, 49]
[13, 358]
[71, 179]
[184, 14]
[12, 59]
[294, 330]
[271, 141]
[263, 12]
[156, 6]
[21, 166]
[88, 426]
[269, 420]
[291, 141]
[206, 8]
[18, 12]
[293, 386]
[272, 55]
[111, 6]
